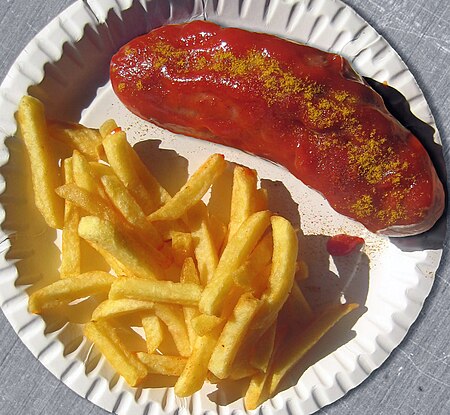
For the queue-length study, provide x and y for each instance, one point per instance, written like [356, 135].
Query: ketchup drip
[341, 245]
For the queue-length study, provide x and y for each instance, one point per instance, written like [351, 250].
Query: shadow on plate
[32, 249]
[399, 107]
[168, 167]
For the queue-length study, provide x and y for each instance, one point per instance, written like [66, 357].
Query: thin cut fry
[103, 335]
[141, 262]
[45, 173]
[194, 189]
[69, 289]
[107, 128]
[256, 392]
[163, 365]
[70, 244]
[281, 278]
[189, 274]
[90, 203]
[130, 210]
[182, 246]
[87, 141]
[153, 332]
[84, 177]
[196, 370]
[116, 308]
[204, 323]
[206, 252]
[243, 198]
[251, 274]
[173, 317]
[153, 290]
[235, 253]
[133, 174]
[232, 335]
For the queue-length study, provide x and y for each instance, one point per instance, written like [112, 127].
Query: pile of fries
[226, 296]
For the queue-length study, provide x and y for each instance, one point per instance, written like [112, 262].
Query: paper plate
[66, 66]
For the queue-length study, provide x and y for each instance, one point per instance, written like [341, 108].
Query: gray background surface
[416, 377]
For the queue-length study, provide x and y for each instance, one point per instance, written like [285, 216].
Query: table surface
[416, 377]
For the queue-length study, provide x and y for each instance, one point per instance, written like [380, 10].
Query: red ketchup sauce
[298, 106]
[342, 244]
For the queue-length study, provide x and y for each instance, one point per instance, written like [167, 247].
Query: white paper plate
[66, 66]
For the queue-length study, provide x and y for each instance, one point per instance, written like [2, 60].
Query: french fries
[207, 300]
[129, 253]
[45, 174]
[103, 335]
[153, 332]
[154, 290]
[69, 289]
[163, 365]
[233, 256]
[70, 245]
[192, 192]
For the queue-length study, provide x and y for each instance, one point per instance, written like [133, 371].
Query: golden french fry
[190, 274]
[243, 197]
[281, 278]
[206, 252]
[116, 267]
[103, 335]
[108, 127]
[139, 260]
[182, 246]
[194, 189]
[196, 370]
[256, 392]
[130, 210]
[218, 231]
[116, 308]
[204, 323]
[70, 244]
[153, 332]
[84, 177]
[252, 273]
[90, 203]
[296, 346]
[130, 170]
[163, 365]
[167, 228]
[87, 141]
[158, 291]
[234, 254]
[45, 172]
[70, 289]
[100, 169]
[172, 316]
[232, 335]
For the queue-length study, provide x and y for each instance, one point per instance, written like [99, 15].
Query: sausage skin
[293, 104]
